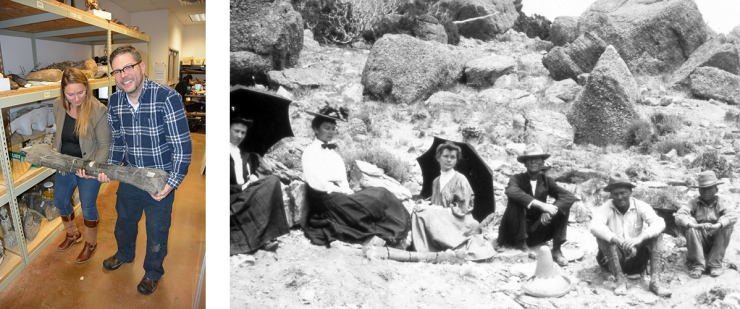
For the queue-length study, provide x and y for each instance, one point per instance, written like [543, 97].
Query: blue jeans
[130, 203]
[64, 188]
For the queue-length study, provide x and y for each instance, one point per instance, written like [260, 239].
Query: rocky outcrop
[511, 97]
[574, 59]
[735, 32]
[369, 175]
[603, 111]
[657, 36]
[483, 28]
[564, 30]
[483, 72]
[265, 35]
[309, 44]
[297, 210]
[565, 90]
[445, 98]
[298, 78]
[549, 127]
[424, 27]
[531, 65]
[713, 83]
[404, 69]
[718, 52]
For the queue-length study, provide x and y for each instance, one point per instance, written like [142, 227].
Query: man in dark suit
[529, 219]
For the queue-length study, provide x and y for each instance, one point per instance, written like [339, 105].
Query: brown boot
[73, 235]
[91, 233]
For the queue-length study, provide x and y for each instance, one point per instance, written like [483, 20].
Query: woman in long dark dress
[257, 208]
[338, 213]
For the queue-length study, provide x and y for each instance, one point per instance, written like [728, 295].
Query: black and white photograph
[484, 153]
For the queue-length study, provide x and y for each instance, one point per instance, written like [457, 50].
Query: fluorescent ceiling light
[198, 17]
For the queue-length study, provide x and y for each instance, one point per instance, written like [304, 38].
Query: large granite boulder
[424, 27]
[298, 78]
[483, 72]
[548, 127]
[404, 69]
[565, 90]
[713, 83]
[652, 36]
[484, 28]
[735, 32]
[564, 30]
[718, 52]
[531, 65]
[265, 35]
[574, 59]
[603, 111]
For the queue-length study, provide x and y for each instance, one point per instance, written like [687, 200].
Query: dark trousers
[699, 244]
[130, 204]
[556, 230]
[629, 263]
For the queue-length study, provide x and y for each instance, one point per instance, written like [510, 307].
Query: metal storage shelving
[54, 21]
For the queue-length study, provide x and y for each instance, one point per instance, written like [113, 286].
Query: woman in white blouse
[336, 212]
[256, 200]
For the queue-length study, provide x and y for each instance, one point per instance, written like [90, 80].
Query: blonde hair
[75, 76]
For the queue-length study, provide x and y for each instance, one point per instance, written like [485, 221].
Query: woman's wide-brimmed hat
[533, 151]
[617, 180]
[329, 112]
[547, 280]
[707, 179]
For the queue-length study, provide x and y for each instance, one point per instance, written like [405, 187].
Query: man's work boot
[656, 268]
[616, 269]
[557, 256]
[73, 235]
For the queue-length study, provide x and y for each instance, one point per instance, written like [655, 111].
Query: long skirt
[257, 215]
[355, 217]
[437, 229]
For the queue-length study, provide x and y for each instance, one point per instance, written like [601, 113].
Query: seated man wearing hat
[628, 232]
[529, 219]
[709, 222]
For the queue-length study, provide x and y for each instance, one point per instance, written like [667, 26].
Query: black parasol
[477, 172]
[269, 113]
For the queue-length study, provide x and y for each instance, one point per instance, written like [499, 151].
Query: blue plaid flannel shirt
[156, 135]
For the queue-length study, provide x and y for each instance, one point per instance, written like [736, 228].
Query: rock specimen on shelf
[49, 75]
[36, 119]
[151, 180]
[603, 111]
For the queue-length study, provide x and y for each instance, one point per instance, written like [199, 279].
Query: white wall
[155, 24]
[194, 41]
[18, 52]
[175, 32]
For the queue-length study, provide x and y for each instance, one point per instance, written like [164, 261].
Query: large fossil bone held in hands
[151, 180]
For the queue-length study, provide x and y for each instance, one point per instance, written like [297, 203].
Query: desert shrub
[641, 133]
[668, 198]
[683, 147]
[533, 26]
[666, 123]
[372, 153]
[343, 21]
[713, 160]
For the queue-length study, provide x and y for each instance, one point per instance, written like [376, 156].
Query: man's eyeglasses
[127, 69]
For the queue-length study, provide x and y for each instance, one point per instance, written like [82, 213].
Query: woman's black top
[70, 140]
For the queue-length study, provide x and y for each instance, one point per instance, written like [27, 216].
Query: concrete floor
[54, 280]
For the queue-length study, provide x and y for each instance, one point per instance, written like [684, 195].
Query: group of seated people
[627, 230]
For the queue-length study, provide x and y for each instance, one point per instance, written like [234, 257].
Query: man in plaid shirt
[149, 129]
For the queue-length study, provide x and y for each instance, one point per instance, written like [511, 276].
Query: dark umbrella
[269, 113]
[477, 172]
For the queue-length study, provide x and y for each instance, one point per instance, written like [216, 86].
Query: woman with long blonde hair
[82, 131]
